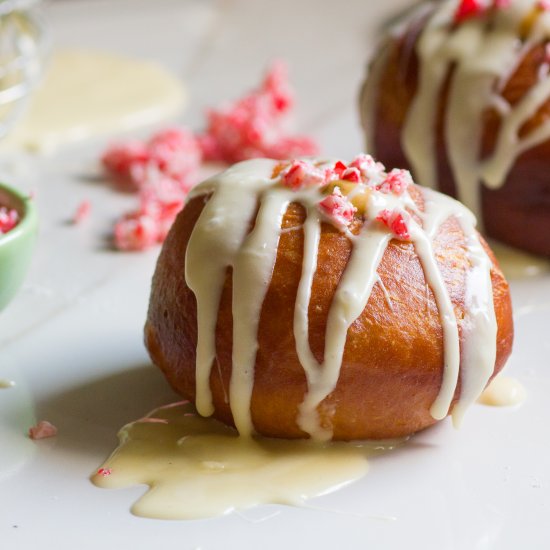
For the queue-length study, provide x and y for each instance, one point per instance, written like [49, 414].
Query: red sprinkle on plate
[42, 430]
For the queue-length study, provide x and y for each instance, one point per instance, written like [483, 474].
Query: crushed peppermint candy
[337, 208]
[469, 9]
[395, 182]
[82, 212]
[396, 221]
[120, 161]
[543, 5]
[136, 231]
[252, 126]
[364, 172]
[42, 430]
[300, 174]
[163, 169]
[351, 174]
[9, 218]
[105, 472]
[172, 153]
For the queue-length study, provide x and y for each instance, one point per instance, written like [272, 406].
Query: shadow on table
[90, 415]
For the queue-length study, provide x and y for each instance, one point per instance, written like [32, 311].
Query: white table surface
[72, 339]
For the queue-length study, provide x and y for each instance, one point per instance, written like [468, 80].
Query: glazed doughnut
[459, 93]
[314, 298]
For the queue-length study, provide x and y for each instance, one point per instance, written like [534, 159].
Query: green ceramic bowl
[16, 245]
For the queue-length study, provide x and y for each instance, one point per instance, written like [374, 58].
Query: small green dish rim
[24, 205]
[17, 244]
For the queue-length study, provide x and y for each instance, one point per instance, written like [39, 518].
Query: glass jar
[23, 45]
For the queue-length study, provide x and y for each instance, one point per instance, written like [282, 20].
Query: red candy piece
[339, 168]
[467, 9]
[162, 171]
[251, 127]
[9, 218]
[543, 5]
[367, 166]
[119, 160]
[395, 182]
[302, 174]
[351, 174]
[337, 208]
[82, 212]
[42, 430]
[136, 231]
[105, 472]
[395, 221]
[174, 153]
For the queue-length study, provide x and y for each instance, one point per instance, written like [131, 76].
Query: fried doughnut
[327, 300]
[459, 93]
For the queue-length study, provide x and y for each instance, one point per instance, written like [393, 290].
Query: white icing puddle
[88, 93]
[503, 391]
[197, 467]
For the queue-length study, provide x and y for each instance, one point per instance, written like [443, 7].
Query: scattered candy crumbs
[252, 126]
[395, 220]
[105, 472]
[163, 169]
[120, 160]
[82, 212]
[42, 430]
[9, 218]
[337, 208]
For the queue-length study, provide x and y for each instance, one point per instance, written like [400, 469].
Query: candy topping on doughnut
[468, 9]
[300, 174]
[397, 181]
[395, 220]
[337, 208]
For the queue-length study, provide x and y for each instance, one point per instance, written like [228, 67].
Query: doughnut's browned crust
[392, 367]
[519, 212]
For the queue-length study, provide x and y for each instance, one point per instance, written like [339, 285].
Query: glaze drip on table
[198, 468]
[249, 194]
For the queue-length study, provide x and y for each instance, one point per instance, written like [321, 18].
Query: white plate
[72, 342]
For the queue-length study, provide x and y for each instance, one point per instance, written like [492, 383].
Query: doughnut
[330, 300]
[459, 93]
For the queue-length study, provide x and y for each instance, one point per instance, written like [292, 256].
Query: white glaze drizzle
[220, 240]
[482, 58]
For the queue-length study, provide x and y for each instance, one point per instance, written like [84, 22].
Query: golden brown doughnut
[392, 367]
[515, 208]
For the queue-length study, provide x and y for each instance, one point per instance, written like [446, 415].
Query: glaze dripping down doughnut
[459, 93]
[330, 300]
